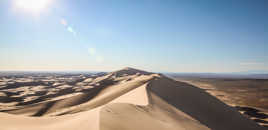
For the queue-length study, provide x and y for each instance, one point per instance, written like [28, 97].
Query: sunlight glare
[34, 6]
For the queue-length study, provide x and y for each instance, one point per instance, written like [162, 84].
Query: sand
[130, 99]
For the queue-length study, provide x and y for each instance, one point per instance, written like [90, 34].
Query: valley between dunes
[129, 99]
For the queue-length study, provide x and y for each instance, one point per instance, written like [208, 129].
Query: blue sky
[154, 35]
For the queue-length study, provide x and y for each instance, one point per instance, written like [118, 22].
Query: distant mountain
[254, 72]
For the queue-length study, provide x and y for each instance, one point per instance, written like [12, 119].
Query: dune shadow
[200, 105]
[44, 109]
[252, 112]
[261, 121]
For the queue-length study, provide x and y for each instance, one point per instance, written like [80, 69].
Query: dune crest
[131, 99]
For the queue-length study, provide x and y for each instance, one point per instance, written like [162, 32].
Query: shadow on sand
[201, 106]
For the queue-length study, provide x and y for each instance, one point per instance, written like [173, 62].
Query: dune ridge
[131, 99]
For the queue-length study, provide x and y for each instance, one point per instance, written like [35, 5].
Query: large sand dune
[128, 99]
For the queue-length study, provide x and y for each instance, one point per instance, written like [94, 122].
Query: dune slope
[132, 99]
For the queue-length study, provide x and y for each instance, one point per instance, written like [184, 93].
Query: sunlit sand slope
[131, 99]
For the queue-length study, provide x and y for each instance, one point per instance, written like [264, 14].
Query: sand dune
[201, 106]
[129, 99]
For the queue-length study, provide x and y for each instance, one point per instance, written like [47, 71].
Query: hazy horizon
[160, 36]
[251, 72]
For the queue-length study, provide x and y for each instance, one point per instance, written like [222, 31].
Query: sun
[34, 6]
